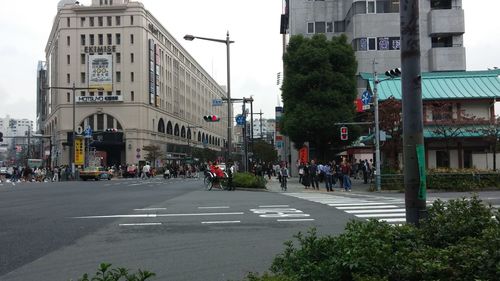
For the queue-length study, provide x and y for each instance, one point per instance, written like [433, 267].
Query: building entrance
[110, 147]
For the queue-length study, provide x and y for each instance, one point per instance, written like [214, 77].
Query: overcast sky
[255, 56]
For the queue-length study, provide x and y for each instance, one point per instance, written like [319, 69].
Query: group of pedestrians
[37, 174]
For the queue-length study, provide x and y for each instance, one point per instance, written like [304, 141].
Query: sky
[255, 56]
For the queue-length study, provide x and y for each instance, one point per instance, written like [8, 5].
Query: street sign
[88, 132]
[79, 130]
[366, 97]
[240, 120]
[216, 102]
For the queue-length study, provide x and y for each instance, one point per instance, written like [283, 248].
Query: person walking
[313, 175]
[346, 180]
[328, 177]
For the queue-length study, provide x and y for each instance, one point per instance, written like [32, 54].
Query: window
[132, 96]
[91, 39]
[91, 94]
[310, 27]
[442, 42]
[68, 97]
[442, 112]
[109, 122]
[82, 39]
[118, 92]
[131, 38]
[68, 59]
[132, 57]
[110, 38]
[372, 44]
[82, 58]
[118, 39]
[319, 27]
[100, 94]
[339, 26]
[442, 159]
[82, 21]
[68, 78]
[68, 22]
[118, 20]
[100, 120]
[118, 57]
[91, 21]
[131, 20]
[82, 93]
[118, 76]
[82, 77]
[440, 4]
[329, 26]
[370, 6]
[68, 40]
[110, 93]
[131, 76]
[99, 21]
[108, 20]
[100, 39]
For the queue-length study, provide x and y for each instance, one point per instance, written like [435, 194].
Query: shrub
[458, 241]
[106, 273]
[248, 180]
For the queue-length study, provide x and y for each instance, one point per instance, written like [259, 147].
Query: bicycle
[283, 183]
[212, 181]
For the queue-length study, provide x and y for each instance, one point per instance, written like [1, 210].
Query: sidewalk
[293, 185]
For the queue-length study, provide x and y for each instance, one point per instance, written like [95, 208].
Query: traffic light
[211, 118]
[1, 137]
[344, 134]
[393, 73]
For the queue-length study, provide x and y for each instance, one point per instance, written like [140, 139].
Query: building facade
[127, 82]
[372, 26]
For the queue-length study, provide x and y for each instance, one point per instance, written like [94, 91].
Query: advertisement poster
[79, 151]
[101, 72]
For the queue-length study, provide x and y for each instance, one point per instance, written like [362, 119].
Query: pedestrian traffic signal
[211, 118]
[395, 72]
[1, 137]
[344, 134]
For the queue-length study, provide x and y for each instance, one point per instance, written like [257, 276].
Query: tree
[264, 151]
[390, 121]
[318, 91]
[153, 152]
[204, 154]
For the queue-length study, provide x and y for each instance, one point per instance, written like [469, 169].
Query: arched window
[189, 133]
[176, 130]
[161, 126]
[199, 136]
[101, 122]
[203, 138]
[169, 128]
[183, 132]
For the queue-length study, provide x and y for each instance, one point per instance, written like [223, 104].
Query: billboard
[79, 151]
[101, 72]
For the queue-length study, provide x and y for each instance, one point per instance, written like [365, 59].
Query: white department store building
[150, 89]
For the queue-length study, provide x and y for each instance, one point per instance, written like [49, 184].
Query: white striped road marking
[295, 219]
[150, 209]
[159, 215]
[274, 206]
[376, 211]
[367, 207]
[215, 207]
[140, 224]
[219, 222]
[393, 220]
[357, 204]
[381, 215]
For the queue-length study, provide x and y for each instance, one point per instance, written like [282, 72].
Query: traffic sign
[216, 102]
[240, 119]
[88, 132]
[366, 97]
[79, 130]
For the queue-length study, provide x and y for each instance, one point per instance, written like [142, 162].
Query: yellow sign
[79, 151]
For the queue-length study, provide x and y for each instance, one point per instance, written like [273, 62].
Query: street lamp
[229, 103]
[74, 88]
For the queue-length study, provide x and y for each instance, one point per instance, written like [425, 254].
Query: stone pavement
[293, 185]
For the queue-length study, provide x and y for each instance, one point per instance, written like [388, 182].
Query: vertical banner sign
[79, 151]
[304, 154]
[101, 72]
[157, 74]
[151, 70]
[422, 191]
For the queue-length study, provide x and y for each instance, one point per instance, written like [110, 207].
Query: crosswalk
[390, 210]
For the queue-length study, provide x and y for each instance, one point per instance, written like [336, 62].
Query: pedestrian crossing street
[388, 209]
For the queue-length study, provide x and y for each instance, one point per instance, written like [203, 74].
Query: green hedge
[248, 180]
[460, 241]
[446, 181]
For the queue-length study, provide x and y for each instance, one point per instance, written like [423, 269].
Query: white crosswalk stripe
[388, 209]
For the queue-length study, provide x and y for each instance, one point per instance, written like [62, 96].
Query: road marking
[367, 207]
[274, 206]
[159, 215]
[219, 222]
[215, 207]
[376, 211]
[295, 219]
[357, 204]
[150, 209]
[140, 224]
[393, 220]
[381, 215]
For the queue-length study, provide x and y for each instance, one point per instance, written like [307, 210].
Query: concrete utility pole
[413, 138]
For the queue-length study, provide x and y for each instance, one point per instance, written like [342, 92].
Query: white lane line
[215, 207]
[393, 220]
[376, 211]
[150, 209]
[294, 219]
[158, 215]
[357, 204]
[367, 207]
[274, 206]
[381, 215]
[219, 222]
[140, 224]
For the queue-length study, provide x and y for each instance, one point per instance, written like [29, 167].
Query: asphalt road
[58, 231]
